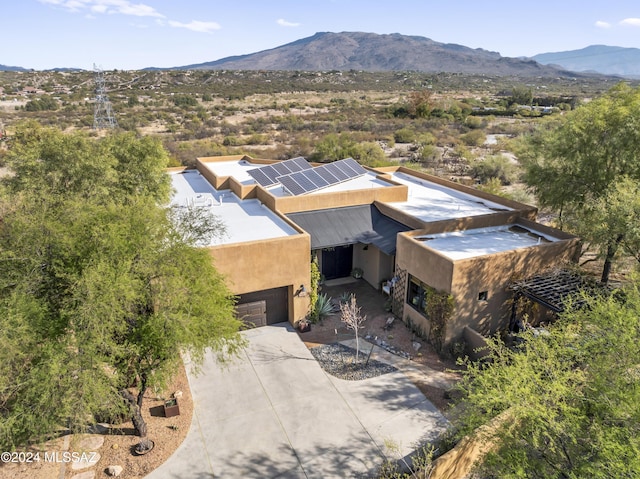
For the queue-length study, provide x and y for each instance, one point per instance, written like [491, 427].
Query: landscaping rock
[416, 346]
[114, 471]
[93, 458]
[177, 394]
[85, 475]
[90, 443]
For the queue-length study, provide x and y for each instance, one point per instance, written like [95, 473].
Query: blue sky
[132, 34]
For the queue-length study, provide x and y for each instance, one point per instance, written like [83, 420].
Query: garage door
[264, 307]
[253, 314]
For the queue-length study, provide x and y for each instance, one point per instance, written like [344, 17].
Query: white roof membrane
[430, 201]
[483, 241]
[244, 220]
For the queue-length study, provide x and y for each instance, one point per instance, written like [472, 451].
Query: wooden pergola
[554, 290]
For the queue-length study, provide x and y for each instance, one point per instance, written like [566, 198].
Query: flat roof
[245, 220]
[239, 169]
[483, 241]
[430, 201]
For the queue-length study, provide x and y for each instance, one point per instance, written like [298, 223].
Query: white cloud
[123, 7]
[126, 7]
[601, 24]
[196, 26]
[283, 23]
[631, 22]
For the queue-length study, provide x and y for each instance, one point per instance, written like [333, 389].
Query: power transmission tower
[102, 114]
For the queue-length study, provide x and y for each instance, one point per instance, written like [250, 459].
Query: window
[416, 294]
[483, 295]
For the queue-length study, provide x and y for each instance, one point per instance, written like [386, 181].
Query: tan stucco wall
[428, 266]
[493, 273]
[376, 265]
[319, 201]
[260, 265]
[465, 279]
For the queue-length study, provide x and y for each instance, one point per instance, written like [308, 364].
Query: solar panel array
[267, 175]
[306, 181]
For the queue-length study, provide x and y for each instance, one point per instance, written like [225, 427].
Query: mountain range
[596, 58]
[396, 52]
[374, 52]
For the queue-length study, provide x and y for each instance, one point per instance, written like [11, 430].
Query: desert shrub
[426, 138]
[257, 139]
[430, 153]
[185, 101]
[463, 152]
[473, 122]
[370, 154]
[492, 186]
[232, 141]
[44, 103]
[404, 135]
[474, 138]
[495, 166]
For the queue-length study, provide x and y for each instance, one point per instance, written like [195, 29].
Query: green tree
[521, 95]
[612, 222]
[583, 157]
[569, 399]
[102, 288]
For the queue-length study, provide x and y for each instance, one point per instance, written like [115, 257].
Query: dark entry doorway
[337, 262]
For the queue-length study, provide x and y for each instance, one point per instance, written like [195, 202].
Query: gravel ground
[340, 361]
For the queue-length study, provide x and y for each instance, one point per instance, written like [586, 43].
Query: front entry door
[337, 262]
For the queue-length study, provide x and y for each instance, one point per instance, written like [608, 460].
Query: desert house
[409, 234]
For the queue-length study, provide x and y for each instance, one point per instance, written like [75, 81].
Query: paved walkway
[274, 413]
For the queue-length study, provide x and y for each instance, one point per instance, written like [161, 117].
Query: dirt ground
[167, 433]
[371, 302]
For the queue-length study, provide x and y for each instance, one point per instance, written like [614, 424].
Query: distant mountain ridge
[596, 58]
[7, 68]
[374, 52]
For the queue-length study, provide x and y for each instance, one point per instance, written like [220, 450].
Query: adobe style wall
[426, 265]
[493, 274]
[465, 279]
[376, 265]
[266, 264]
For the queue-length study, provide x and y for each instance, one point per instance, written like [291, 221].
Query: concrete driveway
[274, 413]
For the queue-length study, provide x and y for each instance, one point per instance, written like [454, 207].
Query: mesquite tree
[101, 289]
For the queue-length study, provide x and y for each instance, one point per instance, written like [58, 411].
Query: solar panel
[268, 174]
[260, 177]
[281, 168]
[292, 186]
[298, 164]
[327, 175]
[337, 172]
[318, 180]
[309, 180]
[354, 165]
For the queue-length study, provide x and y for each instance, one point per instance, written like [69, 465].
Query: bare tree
[351, 317]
